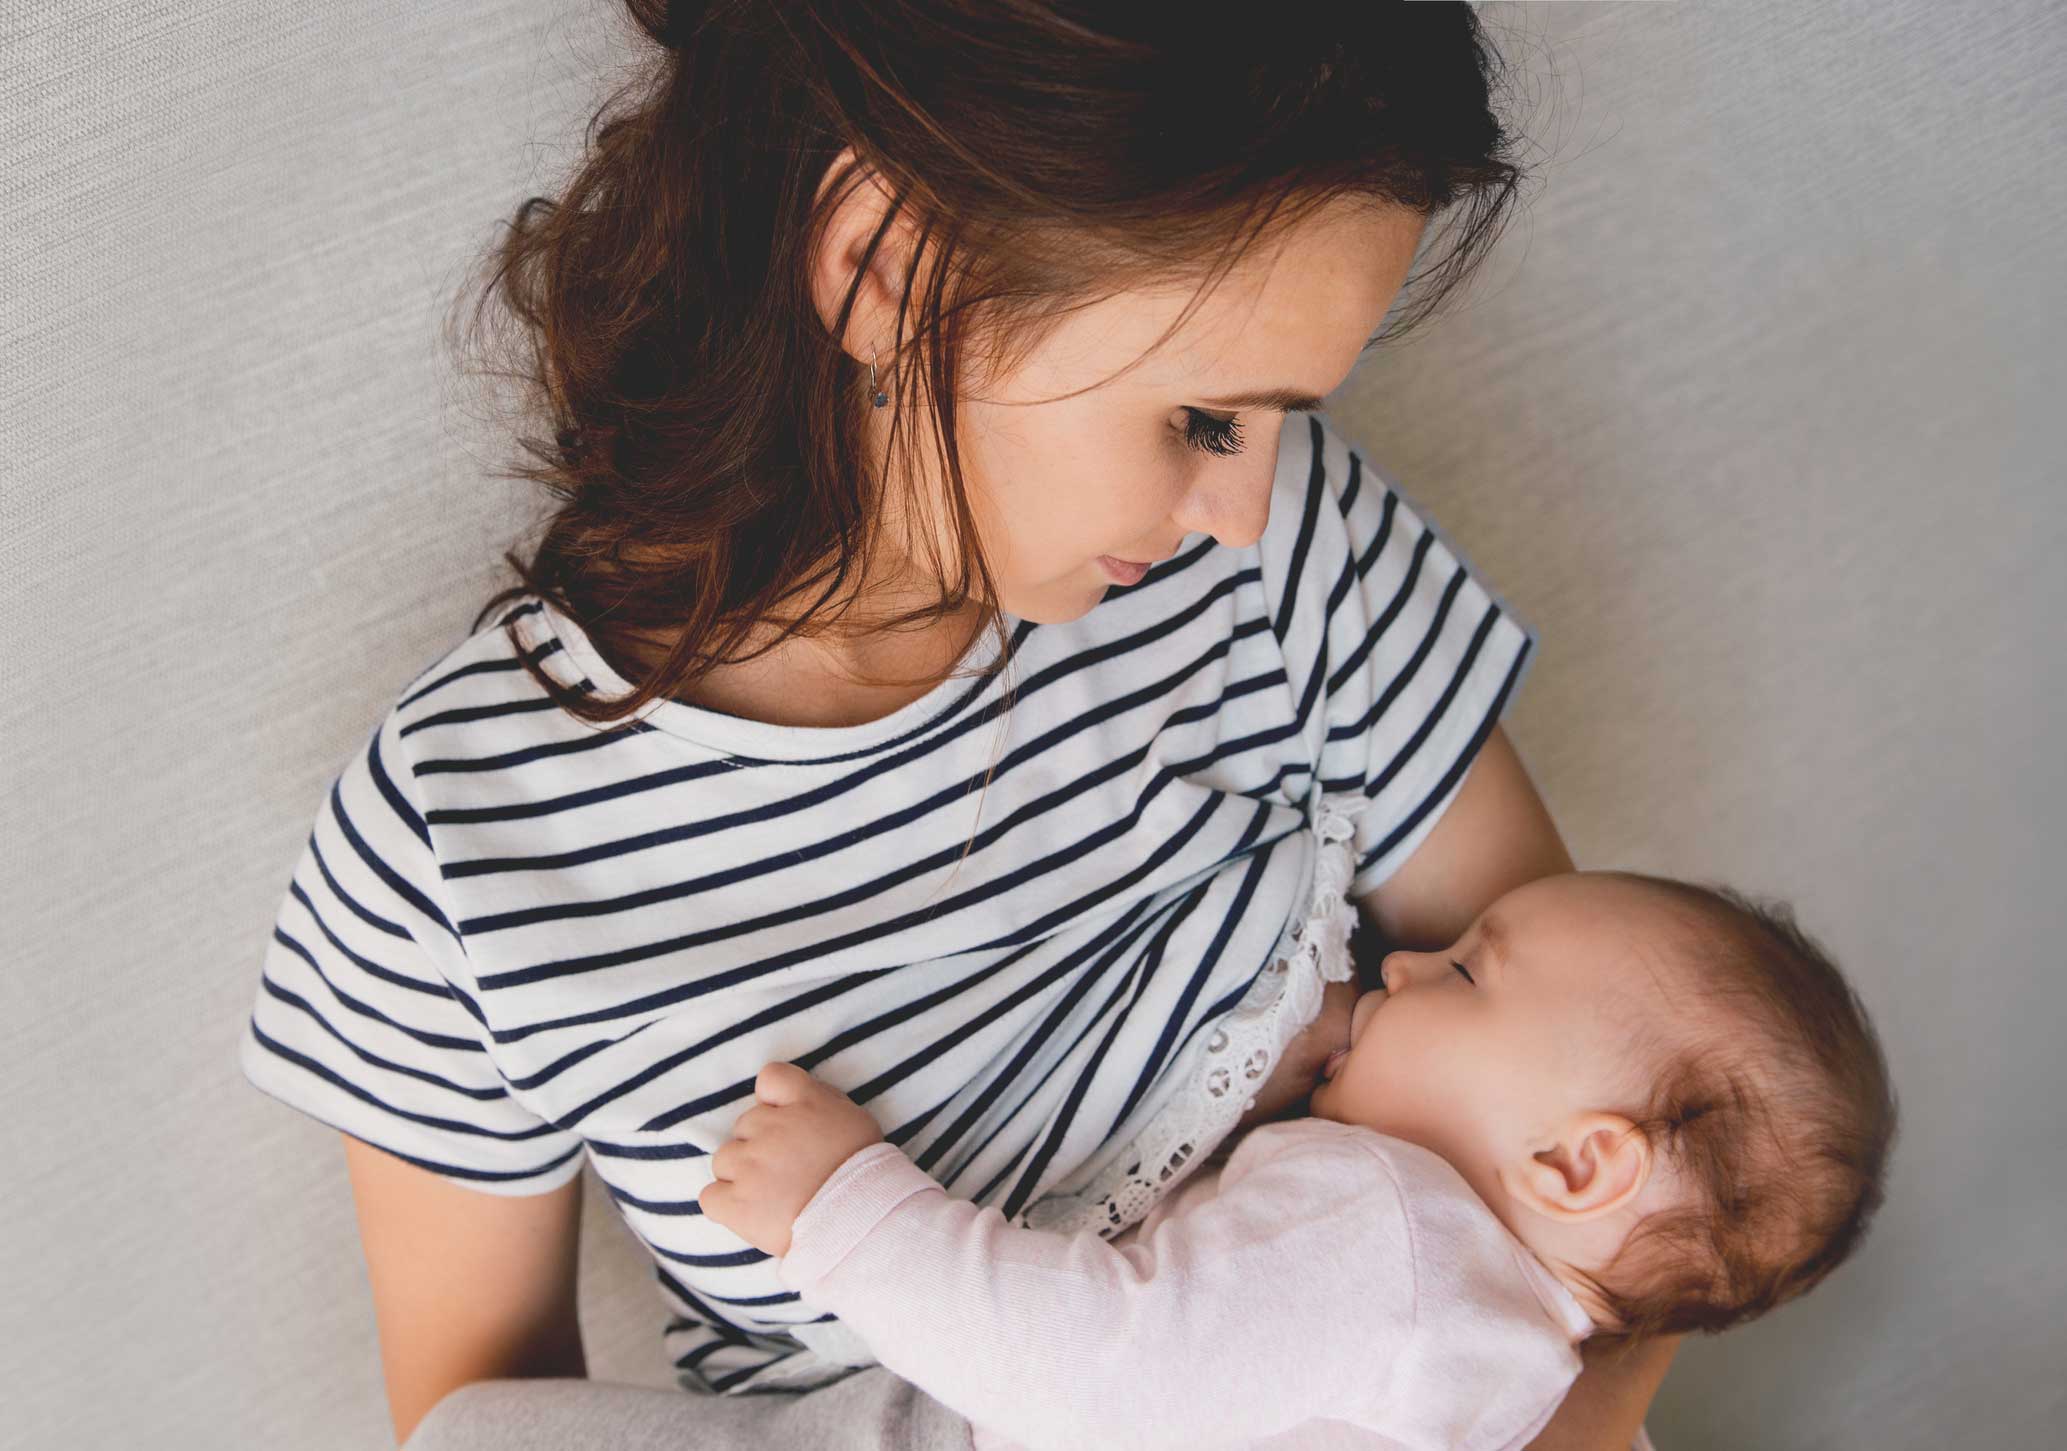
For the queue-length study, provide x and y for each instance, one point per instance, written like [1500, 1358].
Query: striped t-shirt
[516, 942]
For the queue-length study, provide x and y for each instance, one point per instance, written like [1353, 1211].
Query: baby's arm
[1259, 1309]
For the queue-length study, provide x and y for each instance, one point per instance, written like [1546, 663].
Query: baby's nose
[1395, 971]
[1402, 970]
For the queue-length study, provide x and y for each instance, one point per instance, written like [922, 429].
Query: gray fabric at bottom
[871, 1410]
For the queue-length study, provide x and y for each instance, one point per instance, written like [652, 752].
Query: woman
[990, 780]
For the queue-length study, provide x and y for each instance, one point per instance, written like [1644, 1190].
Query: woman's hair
[1773, 1108]
[699, 428]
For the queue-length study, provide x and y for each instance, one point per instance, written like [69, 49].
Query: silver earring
[877, 397]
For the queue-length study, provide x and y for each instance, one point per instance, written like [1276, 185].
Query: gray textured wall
[1756, 415]
[1759, 419]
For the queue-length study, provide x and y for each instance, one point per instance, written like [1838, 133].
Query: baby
[1617, 1106]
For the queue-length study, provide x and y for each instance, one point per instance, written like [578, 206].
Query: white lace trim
[1236, 1056]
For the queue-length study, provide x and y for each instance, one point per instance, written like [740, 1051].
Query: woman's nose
[1234, 510]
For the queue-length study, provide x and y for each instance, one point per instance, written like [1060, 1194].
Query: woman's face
[1172, 449]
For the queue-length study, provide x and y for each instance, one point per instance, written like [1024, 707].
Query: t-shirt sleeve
[1400, 657]
[362, 1019]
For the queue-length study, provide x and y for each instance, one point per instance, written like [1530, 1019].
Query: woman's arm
[1496, 835]
[1606, 1405]
[466, 1286]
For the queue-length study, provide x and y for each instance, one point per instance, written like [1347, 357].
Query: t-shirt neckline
[742, 736]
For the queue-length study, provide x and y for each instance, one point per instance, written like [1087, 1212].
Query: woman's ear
[843, 242]
[1597, 1164]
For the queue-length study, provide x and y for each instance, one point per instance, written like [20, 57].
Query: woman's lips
[1120, 571]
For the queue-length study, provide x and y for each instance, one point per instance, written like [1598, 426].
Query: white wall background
[1756, 414]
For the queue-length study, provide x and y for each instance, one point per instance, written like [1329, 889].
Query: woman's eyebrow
[1286, 400]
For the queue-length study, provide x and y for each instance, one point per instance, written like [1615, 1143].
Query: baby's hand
[780, 1153]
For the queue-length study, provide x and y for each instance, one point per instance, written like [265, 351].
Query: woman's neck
[821, 682]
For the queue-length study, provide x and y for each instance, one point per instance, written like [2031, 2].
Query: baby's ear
[1597, 1163]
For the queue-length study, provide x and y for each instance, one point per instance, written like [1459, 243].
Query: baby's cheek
[1392, 1079]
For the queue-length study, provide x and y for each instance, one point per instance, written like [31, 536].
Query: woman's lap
[871, 1410]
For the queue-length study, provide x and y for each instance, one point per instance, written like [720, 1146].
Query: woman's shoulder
[497, 640]
[473, 702]
[482, 676]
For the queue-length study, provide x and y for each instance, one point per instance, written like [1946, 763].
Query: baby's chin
[1318, 1103]
[1357, 1107]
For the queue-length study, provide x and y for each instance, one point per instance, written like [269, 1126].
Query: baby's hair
[1774, 1111]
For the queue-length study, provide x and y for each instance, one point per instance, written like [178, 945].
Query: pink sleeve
[1495, 1343]
[1272, 1303]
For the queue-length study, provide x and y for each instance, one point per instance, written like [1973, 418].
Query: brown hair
[1776, 1110]
[705, 429]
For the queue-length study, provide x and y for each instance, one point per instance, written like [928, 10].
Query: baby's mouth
[1334, 1061]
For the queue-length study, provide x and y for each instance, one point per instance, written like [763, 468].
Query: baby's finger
[780, 1083]
[724, 1160]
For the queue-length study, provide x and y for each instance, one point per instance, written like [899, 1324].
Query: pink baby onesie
[1327, 1286]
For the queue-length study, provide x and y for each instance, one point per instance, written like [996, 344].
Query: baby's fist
[781, 1152]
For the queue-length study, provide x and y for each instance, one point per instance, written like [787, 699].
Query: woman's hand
[780, 1154]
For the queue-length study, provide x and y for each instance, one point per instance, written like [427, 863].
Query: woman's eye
[1207, 434]
[1461, 972]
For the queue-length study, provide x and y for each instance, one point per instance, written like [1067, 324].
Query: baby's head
[1668, 1093]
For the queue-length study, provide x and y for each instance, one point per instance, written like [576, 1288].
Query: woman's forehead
[1260, 348]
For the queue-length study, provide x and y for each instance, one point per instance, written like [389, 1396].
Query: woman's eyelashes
[1207, 434]
[1464, 972]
